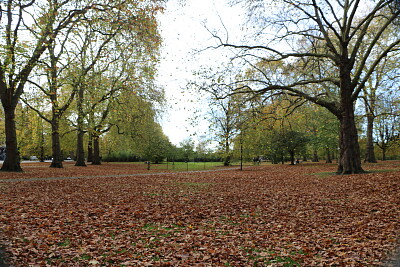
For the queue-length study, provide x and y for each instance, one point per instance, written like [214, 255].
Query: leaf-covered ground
[262, 216]
[41, 170]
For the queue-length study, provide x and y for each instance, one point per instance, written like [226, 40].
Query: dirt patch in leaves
[262, 216]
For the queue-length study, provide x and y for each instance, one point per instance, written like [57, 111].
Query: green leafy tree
[133, 120]
[22, 47]
[187, 149]
[54, 67]
[33, 134]
[125, 38]
[291, 142]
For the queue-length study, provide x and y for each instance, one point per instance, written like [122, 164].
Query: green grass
[177, 166]
[183, 166]
[323, 174]
[198, 166]
[267, 258]
[190, 166]
[64, 243]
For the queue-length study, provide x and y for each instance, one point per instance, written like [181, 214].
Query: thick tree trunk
[370, 153]
[41, 153]
[274, 159]
[315, 156]
[349, 158]
[96, 151]
[12, 160]
[328, 155]
[90, 148]
[55, 147]
[80, 152]
[383, 153]
[41, 157]
[291, 157]
[227, 161]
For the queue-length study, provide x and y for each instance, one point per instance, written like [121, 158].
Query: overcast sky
[184, 33]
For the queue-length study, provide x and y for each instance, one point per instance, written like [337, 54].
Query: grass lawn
[268, 215]
[189, 166]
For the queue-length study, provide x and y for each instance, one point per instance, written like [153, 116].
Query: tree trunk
[291, 157]
[12, 161]
[96, 151]
[370, 153]
[90, 147]
[349, 158]
[80, 152]
[275, 159]
[41, 153]
[383, 152]
[315, 156]
[41, 157]
[328, 155]
[227, 161]
[55, 147]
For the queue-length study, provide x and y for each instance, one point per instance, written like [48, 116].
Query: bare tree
[327, 56]
[387, 130]
[378, 88]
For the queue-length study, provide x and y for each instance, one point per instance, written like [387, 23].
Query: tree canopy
[320, 51]
[57, 47]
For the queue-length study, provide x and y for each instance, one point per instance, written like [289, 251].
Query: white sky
[183, 31]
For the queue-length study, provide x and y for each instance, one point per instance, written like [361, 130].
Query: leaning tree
[328, 55]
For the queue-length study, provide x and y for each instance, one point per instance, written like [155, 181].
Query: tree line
[287, 129]
[83, 67]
